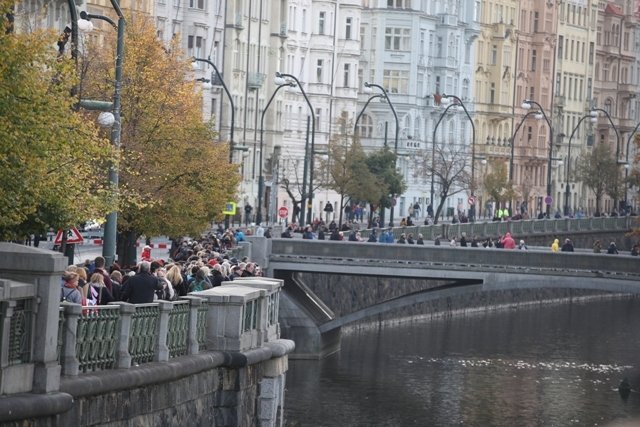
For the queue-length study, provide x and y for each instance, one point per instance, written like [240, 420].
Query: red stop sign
[283, 212]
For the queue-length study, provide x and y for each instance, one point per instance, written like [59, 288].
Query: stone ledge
[26, 406]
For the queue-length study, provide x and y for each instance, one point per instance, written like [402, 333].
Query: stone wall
[346, 294]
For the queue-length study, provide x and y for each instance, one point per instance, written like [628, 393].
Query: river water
[554, 365]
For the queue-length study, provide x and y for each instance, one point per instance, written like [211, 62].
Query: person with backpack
[69, 291]
[98, 293]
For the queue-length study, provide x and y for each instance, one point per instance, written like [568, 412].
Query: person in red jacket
[146, 253]
[508, 242]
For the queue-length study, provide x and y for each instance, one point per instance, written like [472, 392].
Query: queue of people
[195, 265]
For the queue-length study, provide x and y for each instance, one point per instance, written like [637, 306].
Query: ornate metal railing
[201, 322]
[20, 331]
[144, 333]
[96, 338]
[178, 333]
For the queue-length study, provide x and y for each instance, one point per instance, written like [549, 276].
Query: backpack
[65, 296]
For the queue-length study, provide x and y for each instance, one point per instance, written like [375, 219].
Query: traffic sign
[472, 200]
[548, 200]
[229, 208]
[73, 236]
[283, 212]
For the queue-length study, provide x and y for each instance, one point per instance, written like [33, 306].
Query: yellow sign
[229, 208]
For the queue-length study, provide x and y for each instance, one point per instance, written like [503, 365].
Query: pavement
[92, 247]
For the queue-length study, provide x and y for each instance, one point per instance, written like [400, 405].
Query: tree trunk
[126, 244]
[341, 210]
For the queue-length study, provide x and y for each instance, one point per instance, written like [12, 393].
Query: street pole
[395, 147]
[567, 194]
[283, 76]
[606, 113]
[111, 225]
[261, 176]
[303, 195]
[527, 103]
[472, 209]
[433, 160]
[366, 104]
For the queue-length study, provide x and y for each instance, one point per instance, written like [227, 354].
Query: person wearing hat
[69, 291]
[146, 253]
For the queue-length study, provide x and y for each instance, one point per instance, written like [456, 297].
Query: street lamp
[606, 113]
[233, 109]
[527, 104]
[261, 177]
[113, 119]
[446, 99]
[367, 89]
[593, 117]
[280, 80]
[433, 158]
[366, 104]
[627, 166]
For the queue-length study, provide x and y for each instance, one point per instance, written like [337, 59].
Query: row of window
[574, 50]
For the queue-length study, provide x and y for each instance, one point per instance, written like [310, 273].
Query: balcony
[255, 80]
[448, 62]
[449, 20]
[237, 22]
[559, 100]
[628, 88]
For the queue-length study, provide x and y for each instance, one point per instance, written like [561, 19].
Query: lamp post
[233, 109]
[433, 159]
[281, 79]
[593, 116]
[368, 89]
[111, 224]
[366, 104]
[261, 177]
[458, 101]
[526, 104]
[627, 166]
[606, 113]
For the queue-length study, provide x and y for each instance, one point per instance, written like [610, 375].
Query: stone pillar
[271, 399]
[193, 347]
[126, 312]
[70, 363]
[162, 349]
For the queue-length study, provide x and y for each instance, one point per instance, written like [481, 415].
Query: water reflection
[550, 365]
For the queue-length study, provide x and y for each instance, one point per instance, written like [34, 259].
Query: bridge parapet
[521, 227]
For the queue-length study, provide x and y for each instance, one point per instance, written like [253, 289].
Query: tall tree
[497, 183]
[597, 169]
[449, 169]
[52, 158]
[174, 179]
[382, 164]
[348, 173]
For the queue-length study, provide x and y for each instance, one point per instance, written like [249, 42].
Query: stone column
[126, 313]
[193, 347]
[162, 350]
[70, 363]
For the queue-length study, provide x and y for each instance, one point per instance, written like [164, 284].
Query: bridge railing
[120, 334]
[521, 227]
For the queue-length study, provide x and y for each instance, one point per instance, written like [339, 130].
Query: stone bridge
[330, 284]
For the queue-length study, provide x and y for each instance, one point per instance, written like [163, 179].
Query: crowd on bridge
[194, 265]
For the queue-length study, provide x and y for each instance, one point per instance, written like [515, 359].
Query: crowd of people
[194, 265]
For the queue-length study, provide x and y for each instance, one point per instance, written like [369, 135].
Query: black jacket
[140, 288]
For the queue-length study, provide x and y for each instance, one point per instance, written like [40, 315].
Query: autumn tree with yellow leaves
[174, 179]
[53, 159]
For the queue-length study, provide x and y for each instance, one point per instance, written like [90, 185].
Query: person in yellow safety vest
[500, 214]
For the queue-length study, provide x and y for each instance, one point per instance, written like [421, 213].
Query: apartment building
[418, 51]
[575, 61]
[495, 76]
[617, 80]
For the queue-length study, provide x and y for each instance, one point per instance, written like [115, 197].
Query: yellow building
[575, 59]
[494, 83]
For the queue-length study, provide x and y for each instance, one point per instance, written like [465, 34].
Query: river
[551, 365]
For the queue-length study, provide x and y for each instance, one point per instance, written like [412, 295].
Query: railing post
[193, 347]
[162, 349]
[7, 313]
[70, 363]
[126, 314]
